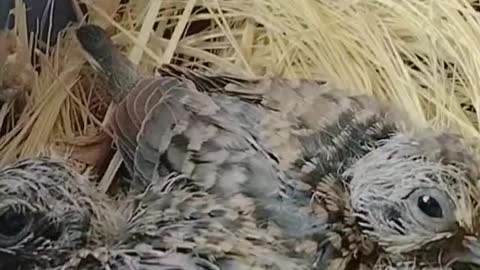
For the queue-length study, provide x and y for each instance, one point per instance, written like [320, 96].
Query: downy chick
[347, 171]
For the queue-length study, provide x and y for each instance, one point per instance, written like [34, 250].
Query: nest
[419, 55]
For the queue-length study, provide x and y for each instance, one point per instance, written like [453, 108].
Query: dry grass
[422, 55]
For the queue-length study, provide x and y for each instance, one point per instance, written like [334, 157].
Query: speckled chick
[316, 163]
[47, 212]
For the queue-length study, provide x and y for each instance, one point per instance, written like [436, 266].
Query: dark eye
[430, 206]
[14, 226]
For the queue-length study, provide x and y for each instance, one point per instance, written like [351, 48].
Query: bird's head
[99, 49]
[416, 198]
[96, 43]
[45, 213]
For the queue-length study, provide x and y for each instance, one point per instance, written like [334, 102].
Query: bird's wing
[140, 258]
[175, 215]
[144, 257]
[167, 122]
[213, 139]
[292, 112]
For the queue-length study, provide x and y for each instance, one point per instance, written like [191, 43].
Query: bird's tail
[121, 73]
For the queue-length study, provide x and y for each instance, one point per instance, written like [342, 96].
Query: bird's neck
[334, 148]
[121, 73]
[331, 151]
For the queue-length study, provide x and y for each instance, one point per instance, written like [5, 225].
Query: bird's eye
[430, 206]
[14, 225]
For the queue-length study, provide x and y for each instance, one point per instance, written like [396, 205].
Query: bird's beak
[471, 251]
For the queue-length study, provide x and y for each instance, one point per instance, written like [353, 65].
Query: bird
[54, 218]
[349, 174]
[176, 225]
[47, 212]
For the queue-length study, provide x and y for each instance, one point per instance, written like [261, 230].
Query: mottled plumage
[315, 165]
[173, 219]
[54, 218]
[47, 211]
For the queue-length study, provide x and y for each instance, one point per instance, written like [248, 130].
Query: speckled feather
[314, 159]
[69, 224]
[47, 212]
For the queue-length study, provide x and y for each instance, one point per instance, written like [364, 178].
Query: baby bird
[310, 163]
[47, 212]
[176, 225]
[54, 218]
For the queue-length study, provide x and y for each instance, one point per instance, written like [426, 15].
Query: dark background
[38, 16]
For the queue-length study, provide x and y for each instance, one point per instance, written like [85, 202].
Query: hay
[421, 55]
